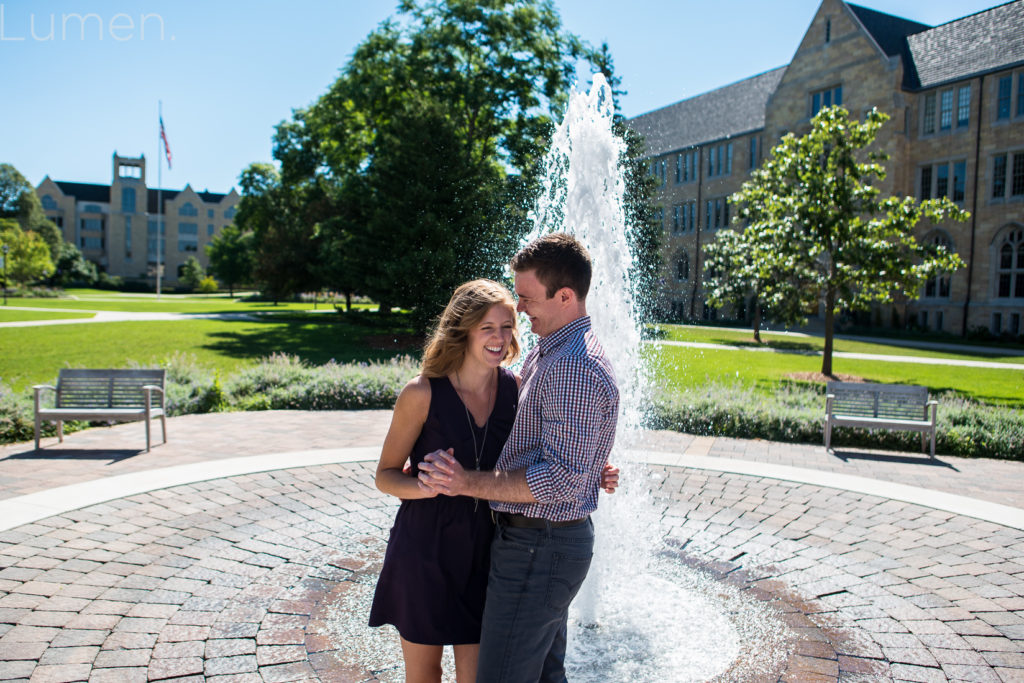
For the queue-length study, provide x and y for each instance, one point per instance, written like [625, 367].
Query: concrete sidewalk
[236, 571]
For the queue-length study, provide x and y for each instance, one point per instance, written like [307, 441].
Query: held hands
[441, 473]
[609, 478]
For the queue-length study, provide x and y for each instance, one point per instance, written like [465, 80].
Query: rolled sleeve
[573, 413]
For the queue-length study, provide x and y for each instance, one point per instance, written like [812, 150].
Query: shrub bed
[793, 413]
[796, 414]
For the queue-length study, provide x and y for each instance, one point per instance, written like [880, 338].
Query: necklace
[478, 450]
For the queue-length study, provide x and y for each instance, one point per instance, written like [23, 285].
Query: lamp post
[5, 249]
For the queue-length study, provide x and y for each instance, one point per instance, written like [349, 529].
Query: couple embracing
[493, 537]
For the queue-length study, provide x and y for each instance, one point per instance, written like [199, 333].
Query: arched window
[1010, 262]
[683, 267]
[49, 202]
[938, 286]
[188, 210]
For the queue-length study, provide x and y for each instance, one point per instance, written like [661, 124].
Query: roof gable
[889, 32]
[726, 112]
[976, 44]
[85, 192]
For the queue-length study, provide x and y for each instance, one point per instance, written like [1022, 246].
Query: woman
[434, 578]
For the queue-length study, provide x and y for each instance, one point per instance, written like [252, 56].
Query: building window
[938, 286]
[209, 213]
[659, 217]
[92, 224]
[49, 203]
[720, 160]
[128, 199]
[926, 183]
[999, 176]
[1010, 276]
[151, 243]
[683, 267]
[997, 323]
[928, 125]
[946, 109]
[828, 30]
[92, 208]
[677, 211]
[1017, 182]
[188, 210]
[942, 186]
[1003, 98]
[941, 181]
[1014, 324]
[963, 107]
[187, 237]
[92, 243]
[826, 98]
[959, 180]
[229, 213]
[753, 154]
[939, 321]
[127, 238]
[1020, 94]
[209, 230]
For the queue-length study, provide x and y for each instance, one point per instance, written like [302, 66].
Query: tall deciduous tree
[816, 223]
[231, 257]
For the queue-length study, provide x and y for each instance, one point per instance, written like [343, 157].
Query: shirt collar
[561, 335]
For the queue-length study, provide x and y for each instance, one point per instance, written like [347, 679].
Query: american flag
[163, 136]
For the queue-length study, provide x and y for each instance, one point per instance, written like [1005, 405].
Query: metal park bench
[885, 406]
[116, 395]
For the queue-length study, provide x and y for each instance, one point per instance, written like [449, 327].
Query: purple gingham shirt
[565, 426]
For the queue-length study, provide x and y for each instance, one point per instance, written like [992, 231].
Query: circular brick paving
[234, 579]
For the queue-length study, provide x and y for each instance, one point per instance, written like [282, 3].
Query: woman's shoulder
[508, 375]
[415, 395]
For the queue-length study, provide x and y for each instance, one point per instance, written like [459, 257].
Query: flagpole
[159, 195]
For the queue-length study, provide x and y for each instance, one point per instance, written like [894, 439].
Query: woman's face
[489, 340]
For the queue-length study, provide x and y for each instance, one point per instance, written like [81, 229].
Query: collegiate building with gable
[955, 98]
[115, 226]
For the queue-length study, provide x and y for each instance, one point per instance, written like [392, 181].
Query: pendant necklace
[478, 451]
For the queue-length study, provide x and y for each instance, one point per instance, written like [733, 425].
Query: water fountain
[642, 615]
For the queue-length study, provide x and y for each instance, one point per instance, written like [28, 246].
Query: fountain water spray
[628, 618]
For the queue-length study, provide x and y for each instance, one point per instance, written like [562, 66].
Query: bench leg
[163, 426]
[147, 433]
[60, 431]
[924, 442]
[828, 434]
[38, 425]
[933, 442]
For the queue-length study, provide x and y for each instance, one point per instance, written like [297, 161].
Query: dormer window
[828, 30]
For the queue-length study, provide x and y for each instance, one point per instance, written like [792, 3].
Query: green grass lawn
[32, 355]
[10, 315]
[744, 338]
[688, 368]
[98, 300]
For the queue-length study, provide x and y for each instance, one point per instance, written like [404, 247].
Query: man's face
[544, 312]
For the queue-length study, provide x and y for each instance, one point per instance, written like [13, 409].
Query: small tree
[231, 257]
[191, 274]
[816, 222]
[28, 256]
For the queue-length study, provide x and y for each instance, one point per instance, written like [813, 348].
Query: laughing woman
[434, 578]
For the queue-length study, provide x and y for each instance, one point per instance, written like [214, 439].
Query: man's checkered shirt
[565, 427]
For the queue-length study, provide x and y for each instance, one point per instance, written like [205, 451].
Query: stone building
[115, 226]
[955, 97]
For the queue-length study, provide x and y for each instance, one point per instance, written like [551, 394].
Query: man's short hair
[559, 260]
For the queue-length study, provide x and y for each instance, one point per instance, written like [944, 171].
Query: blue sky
[228, 71]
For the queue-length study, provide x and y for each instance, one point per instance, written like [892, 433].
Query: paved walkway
[235, 551]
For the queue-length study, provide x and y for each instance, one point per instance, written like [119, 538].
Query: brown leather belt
[518, 521]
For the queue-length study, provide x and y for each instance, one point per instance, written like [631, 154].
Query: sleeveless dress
[434, 579]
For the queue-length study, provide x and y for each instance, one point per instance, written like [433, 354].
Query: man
[546, 481]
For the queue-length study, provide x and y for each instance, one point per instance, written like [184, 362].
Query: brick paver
[247, 578]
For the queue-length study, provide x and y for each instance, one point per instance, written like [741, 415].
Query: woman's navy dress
[434, 579]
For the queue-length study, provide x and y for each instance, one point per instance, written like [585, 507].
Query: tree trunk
[384, 308]
[348, 302]
[826, 359]
[757, 320]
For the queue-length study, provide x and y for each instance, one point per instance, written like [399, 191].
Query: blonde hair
[469, 304]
